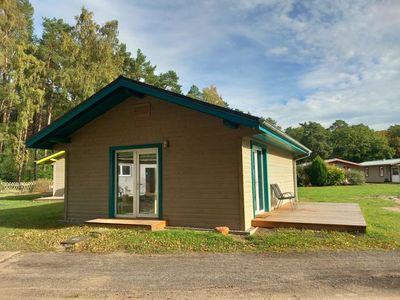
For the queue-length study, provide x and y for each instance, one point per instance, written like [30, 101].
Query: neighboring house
[137, 151]
[344, 164]
[57, 160]
[386, 170]
[340, 163]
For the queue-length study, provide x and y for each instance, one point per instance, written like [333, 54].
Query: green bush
[355, 177]
[318, 172]
[335, 176]
[303, 179]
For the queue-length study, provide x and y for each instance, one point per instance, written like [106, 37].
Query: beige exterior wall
[280, 171]
[202, 175]
[59, 177]
[374, 174]
[247, 183]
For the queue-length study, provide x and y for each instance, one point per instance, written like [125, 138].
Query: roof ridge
[122, 88]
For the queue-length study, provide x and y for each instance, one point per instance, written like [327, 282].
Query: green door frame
[112, 168]
[265, 171]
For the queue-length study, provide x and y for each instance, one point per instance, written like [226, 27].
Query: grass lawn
[33, 226]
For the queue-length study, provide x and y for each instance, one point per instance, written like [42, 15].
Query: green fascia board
[194, 104]
[267, 139]
[121, 89]
[86, 111]
[33, 141]
[79, 121]
[285, 141]
[80, 116]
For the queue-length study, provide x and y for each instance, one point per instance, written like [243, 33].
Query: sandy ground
[321, 275]
[394, 208]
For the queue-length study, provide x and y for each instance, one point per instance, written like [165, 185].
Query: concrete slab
[51, 198]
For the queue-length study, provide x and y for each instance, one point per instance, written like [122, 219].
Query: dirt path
[352, 275]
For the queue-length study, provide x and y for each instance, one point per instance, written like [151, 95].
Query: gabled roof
[382, 162]
[332, 160]
[51, 158]
[122, 88]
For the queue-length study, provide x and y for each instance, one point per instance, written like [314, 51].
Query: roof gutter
[283, 137]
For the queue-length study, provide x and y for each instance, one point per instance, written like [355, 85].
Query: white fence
[25, 187]
[17, 187]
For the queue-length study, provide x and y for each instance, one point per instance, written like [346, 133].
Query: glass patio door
[258, 179]
[136, 183]
[147, 183]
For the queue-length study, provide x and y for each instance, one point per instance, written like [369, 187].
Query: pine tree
[318, 172]
[194, 92]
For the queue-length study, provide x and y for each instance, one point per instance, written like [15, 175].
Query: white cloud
[355, 59]
[278, 51]
[342, 57]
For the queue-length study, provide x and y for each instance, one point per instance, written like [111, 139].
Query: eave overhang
[123, 88]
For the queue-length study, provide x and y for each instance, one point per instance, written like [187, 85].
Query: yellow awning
[51, 158]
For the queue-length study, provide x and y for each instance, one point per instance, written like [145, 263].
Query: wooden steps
[317, 216]
[147, 224]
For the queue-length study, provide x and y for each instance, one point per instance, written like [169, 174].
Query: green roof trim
[51, 158]
[123, 88]
[285, 139]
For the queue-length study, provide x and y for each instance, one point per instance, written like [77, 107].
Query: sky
[293, 61]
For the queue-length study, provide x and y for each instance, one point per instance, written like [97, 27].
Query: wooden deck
[148, 224]
[313, 215]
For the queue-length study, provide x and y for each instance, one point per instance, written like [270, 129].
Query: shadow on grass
[41, 216]
[23, 196]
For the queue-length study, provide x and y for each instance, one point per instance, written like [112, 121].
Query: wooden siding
[201, 177]
[59, 177]
[280, 167]
[280, 171]
[247, 183]
[374, 174]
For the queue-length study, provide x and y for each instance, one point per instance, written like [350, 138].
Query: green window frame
[112, 168]
[265, 177]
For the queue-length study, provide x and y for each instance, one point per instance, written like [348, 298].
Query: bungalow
[343, 164]
[386, 170]
[57, 160]
[136, 151]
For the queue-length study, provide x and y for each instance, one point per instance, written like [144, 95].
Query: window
[395, 171]
[124, 169]
[381, 171]
[366, 171]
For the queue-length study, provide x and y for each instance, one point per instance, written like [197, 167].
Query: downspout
[295, 173]
[66, 188]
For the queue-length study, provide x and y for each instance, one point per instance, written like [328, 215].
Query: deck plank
[149, 224]
[312, 215]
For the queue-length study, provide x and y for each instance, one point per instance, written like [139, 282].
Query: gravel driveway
[320, 275]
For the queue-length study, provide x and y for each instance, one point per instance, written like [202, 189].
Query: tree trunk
[6, 120]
